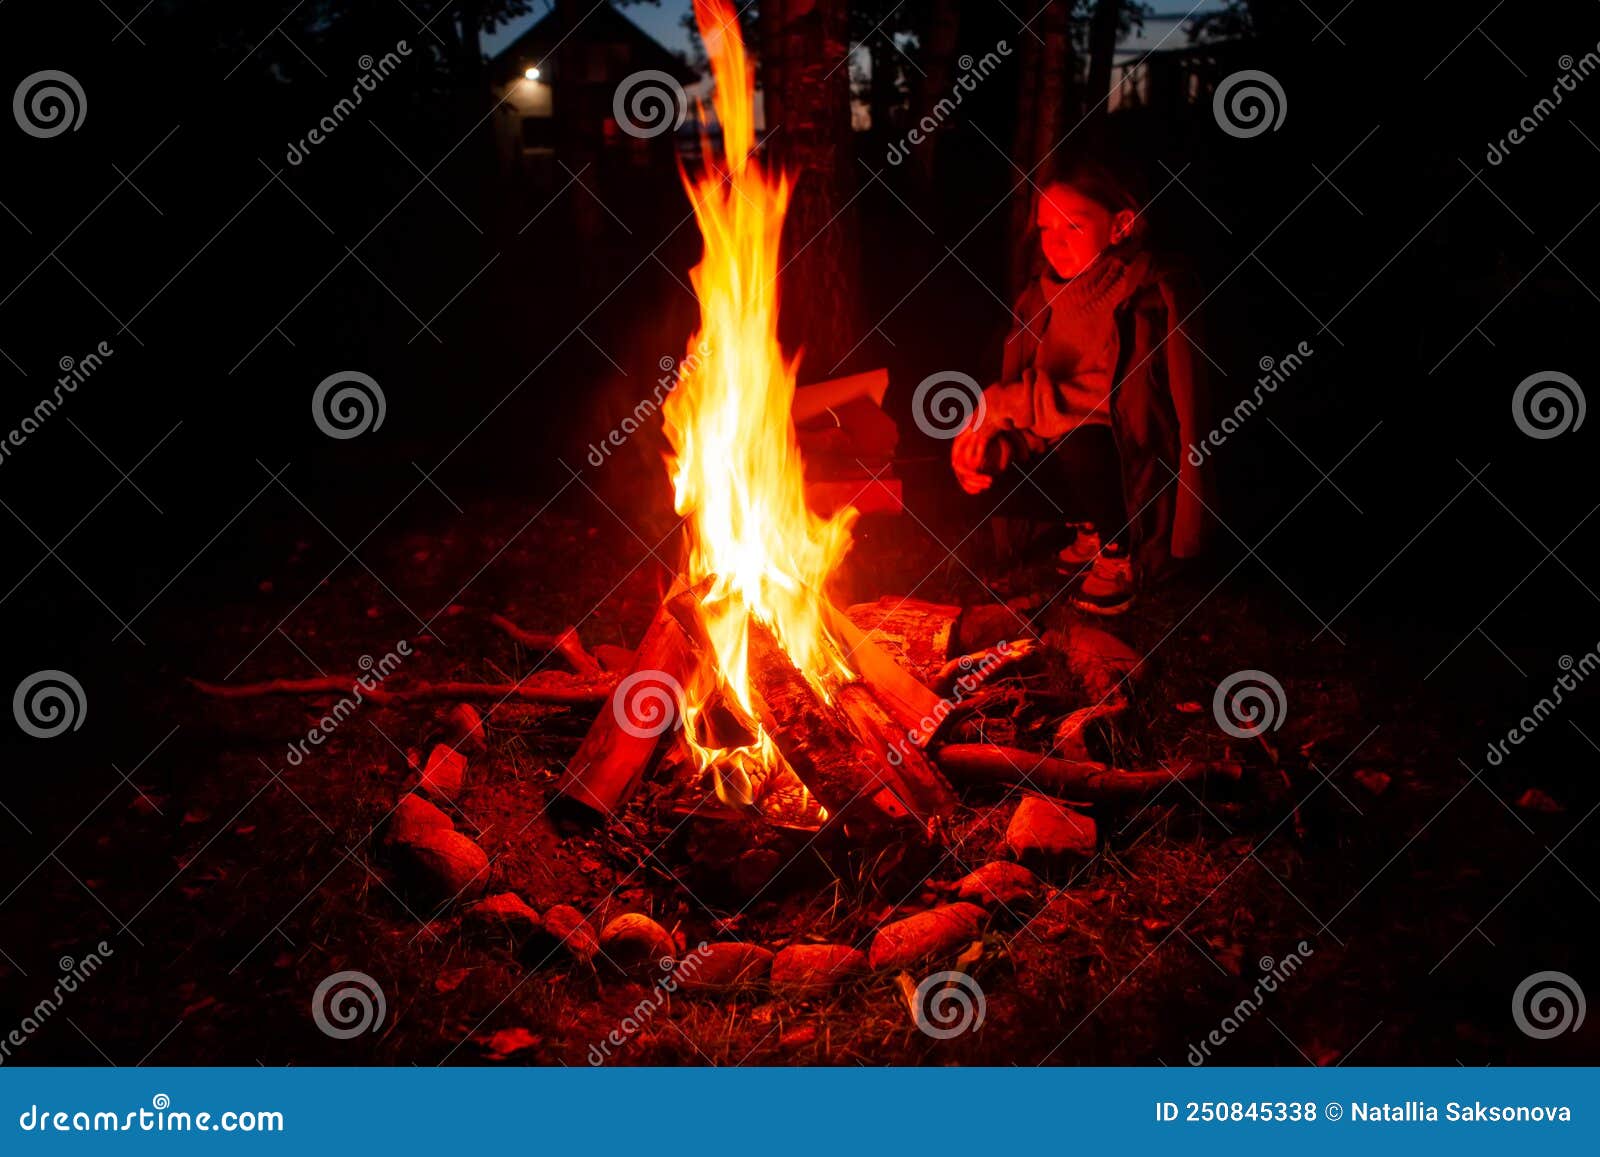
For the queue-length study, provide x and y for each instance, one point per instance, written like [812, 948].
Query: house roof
[603, 25]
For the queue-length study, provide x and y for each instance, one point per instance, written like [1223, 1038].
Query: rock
[932, 933]
[1539, 801]
[442, 865]
[451, 979]
[999, 882]
[727, 964]
[463, 729]
[444, 772]
[568, 926]
[497, 1046]
[1049, 834]
[1101, 661]
[413, 815]
[503, 914]
[817, 968]
[636, 943]
[982, 627]
[1377, 782]
[797, 1038]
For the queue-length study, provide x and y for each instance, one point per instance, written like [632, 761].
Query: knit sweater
[1069, 383]
[1158, 397]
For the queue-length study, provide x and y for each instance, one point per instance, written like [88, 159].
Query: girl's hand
[977, 455]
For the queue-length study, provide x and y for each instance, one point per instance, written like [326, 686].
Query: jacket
[1159, 404]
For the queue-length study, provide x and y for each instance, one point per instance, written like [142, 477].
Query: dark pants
[1077, 479]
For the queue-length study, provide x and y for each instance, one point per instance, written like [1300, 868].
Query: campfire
[751, 695]
[763, 691]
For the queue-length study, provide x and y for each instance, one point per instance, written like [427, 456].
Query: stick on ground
[990, 763]
[527, 691]
[566, 644]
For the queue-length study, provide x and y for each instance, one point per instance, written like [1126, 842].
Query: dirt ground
[229, 883]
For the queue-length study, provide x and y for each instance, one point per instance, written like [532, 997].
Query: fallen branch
[566, 644]
[527, 691]
[970, 672]
[989, 763]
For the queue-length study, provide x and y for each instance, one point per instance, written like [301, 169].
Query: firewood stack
[861, 755]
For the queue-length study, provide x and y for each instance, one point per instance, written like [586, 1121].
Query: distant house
[1173, 83]
[557, 92]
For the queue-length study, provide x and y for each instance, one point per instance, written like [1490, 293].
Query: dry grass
[266, 885]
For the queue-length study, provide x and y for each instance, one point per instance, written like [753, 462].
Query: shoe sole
[1104, 609]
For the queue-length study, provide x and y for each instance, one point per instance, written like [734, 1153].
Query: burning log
[850, 754]
[820, 741]
[647, 704]
[988, 763]
[926, 794]
[911, 703]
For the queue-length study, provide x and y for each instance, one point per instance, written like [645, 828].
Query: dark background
[228, 283]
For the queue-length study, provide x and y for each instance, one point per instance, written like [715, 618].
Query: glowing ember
[736, 469]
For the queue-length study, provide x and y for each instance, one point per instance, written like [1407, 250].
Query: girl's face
[1074, 229]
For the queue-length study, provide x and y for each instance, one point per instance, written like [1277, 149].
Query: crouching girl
[1099, 392]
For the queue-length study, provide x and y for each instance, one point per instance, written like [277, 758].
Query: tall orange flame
[735, 464]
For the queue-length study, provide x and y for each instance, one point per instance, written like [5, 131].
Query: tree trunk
[1042, 121]
[578, 127]
[807, 89]
[883, 90]
[940, 36]
[1102, 53]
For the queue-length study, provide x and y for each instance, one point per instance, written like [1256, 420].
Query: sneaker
[1108, 587]
[1077, 556]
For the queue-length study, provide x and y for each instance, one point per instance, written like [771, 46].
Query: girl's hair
[1095, 177]
[1102, 181]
